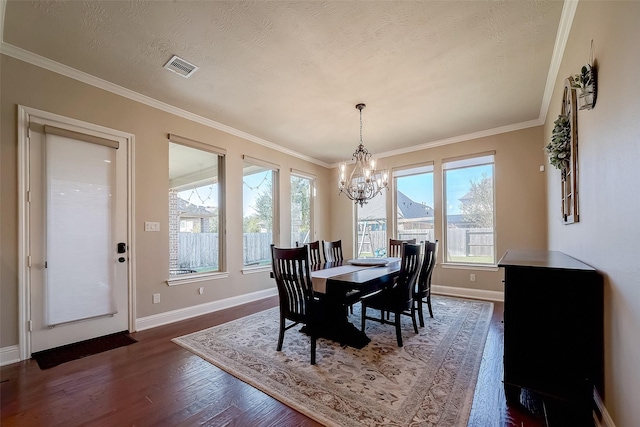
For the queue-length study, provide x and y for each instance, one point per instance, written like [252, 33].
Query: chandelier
[363, 183]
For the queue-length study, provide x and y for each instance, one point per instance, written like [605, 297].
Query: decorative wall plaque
[569, 182]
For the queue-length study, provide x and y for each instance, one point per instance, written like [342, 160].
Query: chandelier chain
[361, 143]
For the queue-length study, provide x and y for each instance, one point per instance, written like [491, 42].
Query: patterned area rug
[428, 382]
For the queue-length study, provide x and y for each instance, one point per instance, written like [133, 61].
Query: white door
[77, 234]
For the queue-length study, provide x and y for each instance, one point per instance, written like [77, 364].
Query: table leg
[332, 323]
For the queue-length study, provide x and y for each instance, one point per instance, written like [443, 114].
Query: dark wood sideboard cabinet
[553, 327]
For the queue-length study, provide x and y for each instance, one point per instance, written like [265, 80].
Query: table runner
[319, 277]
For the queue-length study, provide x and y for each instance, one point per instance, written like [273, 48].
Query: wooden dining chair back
[314, 252]
[395, 246]
[422, 289]
[399, 298]
[332, 251]
[295, 291]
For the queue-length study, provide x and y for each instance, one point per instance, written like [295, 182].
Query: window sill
[461, 266]
[193, 278]
[259, 269]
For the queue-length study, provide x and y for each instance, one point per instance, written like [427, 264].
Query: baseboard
[155, 320]
[605, 419]
[468, 293]
[9, 355]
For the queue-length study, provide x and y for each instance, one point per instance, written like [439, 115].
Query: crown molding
[56, 67]
[564, 28]
[460, 138]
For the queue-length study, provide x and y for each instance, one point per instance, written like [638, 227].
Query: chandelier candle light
[363, 184]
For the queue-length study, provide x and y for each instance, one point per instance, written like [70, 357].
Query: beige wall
[519, 198]
[607, 235]
[34, 87]
[519, 190]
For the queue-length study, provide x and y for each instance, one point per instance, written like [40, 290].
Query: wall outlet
[472, 277]
[201, 290]
[156, 298]
[151, 226]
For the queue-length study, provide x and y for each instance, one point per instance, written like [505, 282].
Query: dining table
[337, 285]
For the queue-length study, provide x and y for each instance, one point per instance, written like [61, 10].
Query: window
[372, 228]
[469, 210]
[302, 188]
[195, 216]
[414, 203]
[259, 222]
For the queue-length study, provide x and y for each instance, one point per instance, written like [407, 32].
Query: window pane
[414, 210]
[300, 210]
[258, 221]
[469, 214]
[194, 204]
[372, 228]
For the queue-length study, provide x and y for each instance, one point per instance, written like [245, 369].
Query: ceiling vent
[181, 67]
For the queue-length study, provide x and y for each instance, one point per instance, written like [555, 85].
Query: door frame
[24, 284]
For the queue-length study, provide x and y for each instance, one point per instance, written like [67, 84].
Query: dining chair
[422, 289]
[295, 292]
[314, 252]
[397, 299]
[395, 245]
[332, 251]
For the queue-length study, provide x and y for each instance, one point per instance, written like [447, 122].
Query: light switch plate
[151, 226]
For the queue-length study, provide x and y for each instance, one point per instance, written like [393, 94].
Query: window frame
[411, 170]
[222, 271]
[312, 195]
[356, 213]
[275, 170]
[458, 163]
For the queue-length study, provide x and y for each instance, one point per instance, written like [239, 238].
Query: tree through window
[259, 222]
[469, 210]
[302, 188]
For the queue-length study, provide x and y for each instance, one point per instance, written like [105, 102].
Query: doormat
[53, 357]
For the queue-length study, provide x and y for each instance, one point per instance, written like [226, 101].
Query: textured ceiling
[291, 72]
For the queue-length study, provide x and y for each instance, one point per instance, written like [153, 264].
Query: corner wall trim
[155, 320]
[9, 355]
[606, 420]
[468, 293]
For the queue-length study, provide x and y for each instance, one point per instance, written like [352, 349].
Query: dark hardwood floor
[156, 382]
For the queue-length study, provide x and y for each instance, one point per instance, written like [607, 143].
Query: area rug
[49, 358]
[428, 382]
